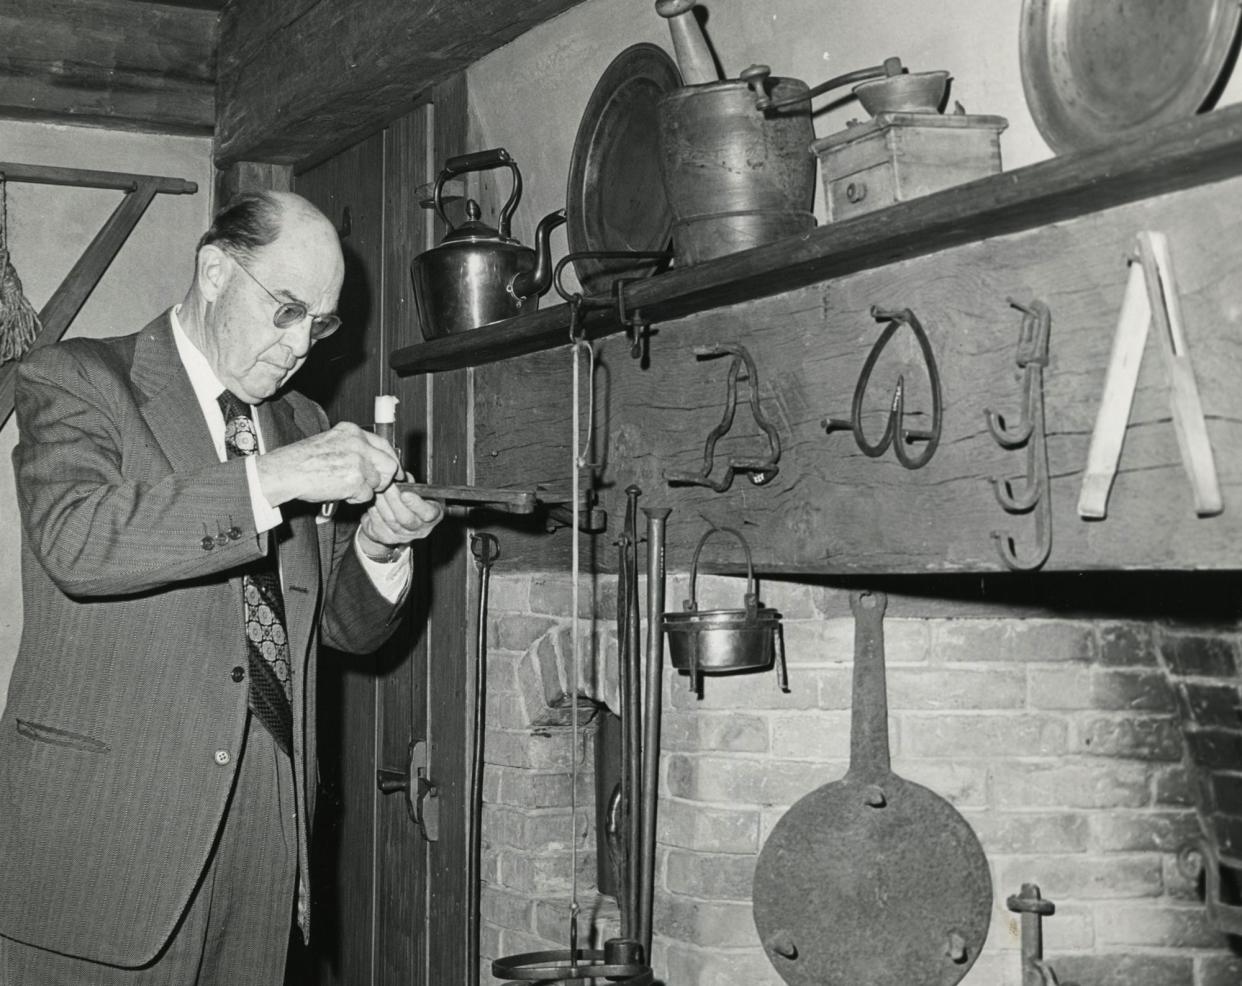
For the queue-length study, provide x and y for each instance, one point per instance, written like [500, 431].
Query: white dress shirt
[390, 578]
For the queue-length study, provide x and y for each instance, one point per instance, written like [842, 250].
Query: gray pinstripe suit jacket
[122, 698]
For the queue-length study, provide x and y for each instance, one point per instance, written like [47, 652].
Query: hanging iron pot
[480, 274]
[720, 640]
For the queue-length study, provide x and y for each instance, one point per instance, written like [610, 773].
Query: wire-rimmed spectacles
[290, 313]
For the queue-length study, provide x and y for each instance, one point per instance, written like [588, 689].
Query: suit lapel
[296, 539]
[170, 408]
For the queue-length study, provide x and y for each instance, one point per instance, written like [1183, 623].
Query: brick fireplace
[1046, 712]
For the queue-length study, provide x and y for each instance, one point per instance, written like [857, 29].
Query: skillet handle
[869, 719]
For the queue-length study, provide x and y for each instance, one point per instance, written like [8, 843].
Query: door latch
[422, 797]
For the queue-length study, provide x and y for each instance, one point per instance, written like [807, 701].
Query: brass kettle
[478, 274]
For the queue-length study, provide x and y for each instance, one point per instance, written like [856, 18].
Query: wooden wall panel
[344, 374]
[401, 852]
[449, 637]
[834, 510]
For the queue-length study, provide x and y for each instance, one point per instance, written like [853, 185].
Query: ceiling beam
[300, 78]
[110, 63]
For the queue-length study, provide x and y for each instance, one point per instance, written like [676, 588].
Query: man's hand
[396, 518]
[343, 463]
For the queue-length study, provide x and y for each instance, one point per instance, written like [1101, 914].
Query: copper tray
[615, 196]
[1093, 71]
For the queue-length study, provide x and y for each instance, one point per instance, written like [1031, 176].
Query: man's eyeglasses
[290, 313]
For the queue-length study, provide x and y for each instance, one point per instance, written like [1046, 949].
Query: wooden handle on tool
[694, 58]
[1109, 432]
[1188, 421]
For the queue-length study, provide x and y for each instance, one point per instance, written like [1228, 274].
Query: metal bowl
[722, 639]
[910, 92]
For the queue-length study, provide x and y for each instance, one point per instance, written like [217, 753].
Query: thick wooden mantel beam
[109, 63]
[300, 78]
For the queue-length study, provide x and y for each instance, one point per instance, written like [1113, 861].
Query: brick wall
[1056, 737]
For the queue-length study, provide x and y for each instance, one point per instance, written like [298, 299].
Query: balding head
[264, 250]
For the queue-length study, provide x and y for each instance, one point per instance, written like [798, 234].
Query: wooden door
[374, 872]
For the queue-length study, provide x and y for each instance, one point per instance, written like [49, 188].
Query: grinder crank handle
[694, 58]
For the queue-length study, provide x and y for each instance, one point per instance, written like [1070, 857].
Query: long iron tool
[656, 520]
[633, 707]
[486, 549]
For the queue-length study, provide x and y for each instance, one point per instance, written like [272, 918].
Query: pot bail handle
[752, 594]
[497, 157]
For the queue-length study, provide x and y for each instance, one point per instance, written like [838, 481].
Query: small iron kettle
[478, 274]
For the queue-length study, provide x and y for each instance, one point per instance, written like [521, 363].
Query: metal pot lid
[615, 197]
[1094, 71]
[475, 230]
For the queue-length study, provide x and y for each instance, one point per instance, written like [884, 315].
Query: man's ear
[211, 271]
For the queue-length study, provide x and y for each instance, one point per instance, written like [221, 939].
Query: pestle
[694, 58]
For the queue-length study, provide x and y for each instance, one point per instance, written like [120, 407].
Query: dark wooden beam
[251, 176]
[298, 78]
[113, 63]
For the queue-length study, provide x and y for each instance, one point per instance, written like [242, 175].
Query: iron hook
[1036, 494]
[895, 431]
[759, 471]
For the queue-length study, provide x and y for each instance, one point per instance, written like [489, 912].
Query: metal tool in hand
[385, 427]
[896, 433]
[1151, 298]
[872, 880]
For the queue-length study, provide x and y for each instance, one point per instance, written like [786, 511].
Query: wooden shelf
[1197, 151]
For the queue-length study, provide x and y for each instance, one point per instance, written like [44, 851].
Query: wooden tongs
[1151, 297]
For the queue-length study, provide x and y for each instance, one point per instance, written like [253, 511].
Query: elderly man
[157, 749]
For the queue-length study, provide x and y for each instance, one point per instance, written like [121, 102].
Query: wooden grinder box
[898, 156]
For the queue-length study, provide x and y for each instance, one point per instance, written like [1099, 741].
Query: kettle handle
[497, 157]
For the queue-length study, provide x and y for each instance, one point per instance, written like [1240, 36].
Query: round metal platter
[615, 197]
[1093, 71]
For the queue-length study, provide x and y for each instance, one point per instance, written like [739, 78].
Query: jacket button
[238, 673]
[222, 757]
[234, 533]
[208, 543]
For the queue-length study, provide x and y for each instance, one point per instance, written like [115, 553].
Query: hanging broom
[19, 323]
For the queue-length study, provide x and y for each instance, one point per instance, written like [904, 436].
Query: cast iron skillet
[872, 880]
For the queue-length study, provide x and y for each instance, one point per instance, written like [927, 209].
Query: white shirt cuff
[391, 579]
[266, 516]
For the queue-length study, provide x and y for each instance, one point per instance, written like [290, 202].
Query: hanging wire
[579, 463]
[19, 323]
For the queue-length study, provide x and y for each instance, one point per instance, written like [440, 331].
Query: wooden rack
[1191, 152]
[68, 299]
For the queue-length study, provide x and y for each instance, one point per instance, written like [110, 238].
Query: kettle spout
[535, 282]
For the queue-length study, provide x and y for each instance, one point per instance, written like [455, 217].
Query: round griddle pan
[872, 880]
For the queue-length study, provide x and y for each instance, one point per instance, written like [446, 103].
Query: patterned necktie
[266, 642]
